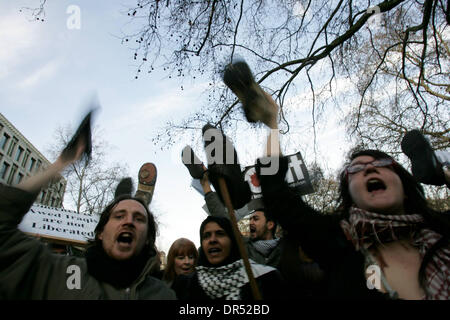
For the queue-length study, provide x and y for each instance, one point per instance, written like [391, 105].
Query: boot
[238, 77]
[147, 180]
[425, 165]
[226, 167]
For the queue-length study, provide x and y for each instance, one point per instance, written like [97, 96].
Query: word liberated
[59, 224]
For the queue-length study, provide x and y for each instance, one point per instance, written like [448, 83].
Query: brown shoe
[147, 180]
[238, 77]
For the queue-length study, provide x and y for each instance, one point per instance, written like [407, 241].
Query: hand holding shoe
[257, 105]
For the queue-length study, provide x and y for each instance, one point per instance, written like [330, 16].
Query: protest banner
[297, 177]
[59, 225]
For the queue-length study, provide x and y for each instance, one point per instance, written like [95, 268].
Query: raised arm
[28, 270]
[316, 232]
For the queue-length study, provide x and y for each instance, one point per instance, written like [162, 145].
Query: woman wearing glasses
[384, 241]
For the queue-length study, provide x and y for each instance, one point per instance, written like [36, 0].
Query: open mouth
[375, 185]
[125, 238]
[252, 229]
[214, 251]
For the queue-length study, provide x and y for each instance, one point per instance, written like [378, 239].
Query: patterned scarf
[265, 247]
[227, 281]
[365, 228]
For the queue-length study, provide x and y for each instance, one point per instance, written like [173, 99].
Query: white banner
[58, 224]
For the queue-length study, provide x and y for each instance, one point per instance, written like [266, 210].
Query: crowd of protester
[383, 241]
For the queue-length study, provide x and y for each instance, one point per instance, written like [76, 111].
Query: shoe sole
[147, 179]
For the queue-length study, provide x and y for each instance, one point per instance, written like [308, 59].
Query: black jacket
[29, 270]
[304, 279]
[320, 236]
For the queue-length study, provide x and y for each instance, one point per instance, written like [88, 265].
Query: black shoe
[125, 187]
[225, 166]
[83, 133]
[238, 77]
[425, 165]
[192, 163]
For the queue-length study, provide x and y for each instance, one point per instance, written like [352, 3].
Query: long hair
[225, 224]
[415, 203]
[183, 247]
[106, 213]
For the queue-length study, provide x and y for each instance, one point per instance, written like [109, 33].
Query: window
[12, 146]
[4, 170]
[33, 161]
[38, 166]
[4, 140]
[12, 173]
[19, 153]
[25, 158]
[19, 178]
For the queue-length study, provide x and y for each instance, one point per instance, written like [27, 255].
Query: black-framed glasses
[357, 167]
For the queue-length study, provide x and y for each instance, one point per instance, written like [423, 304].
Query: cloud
[17, 35]
[39, 75]
[170, 102]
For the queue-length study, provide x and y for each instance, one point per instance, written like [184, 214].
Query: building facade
[20, 159]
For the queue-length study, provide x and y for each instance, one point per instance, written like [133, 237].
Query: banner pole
[237, 235]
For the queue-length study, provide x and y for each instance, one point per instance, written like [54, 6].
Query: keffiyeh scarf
[227, 281]
[265, 247]
[365, 228]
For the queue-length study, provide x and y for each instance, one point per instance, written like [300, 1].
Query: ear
[100, 236]
[270, 225]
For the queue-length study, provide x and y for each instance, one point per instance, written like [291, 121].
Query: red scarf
[365, 228]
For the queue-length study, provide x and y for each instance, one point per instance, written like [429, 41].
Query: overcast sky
[48, 70]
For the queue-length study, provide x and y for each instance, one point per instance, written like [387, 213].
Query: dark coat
[304, 278]
[321, 238]
[29, 270]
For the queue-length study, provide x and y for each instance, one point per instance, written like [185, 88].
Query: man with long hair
[119, 264]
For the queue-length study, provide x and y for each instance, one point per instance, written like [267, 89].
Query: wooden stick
[237, 235]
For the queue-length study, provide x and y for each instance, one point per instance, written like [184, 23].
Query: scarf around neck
[120, 274]
[226, 281]
[265, 247]
[365, 229]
